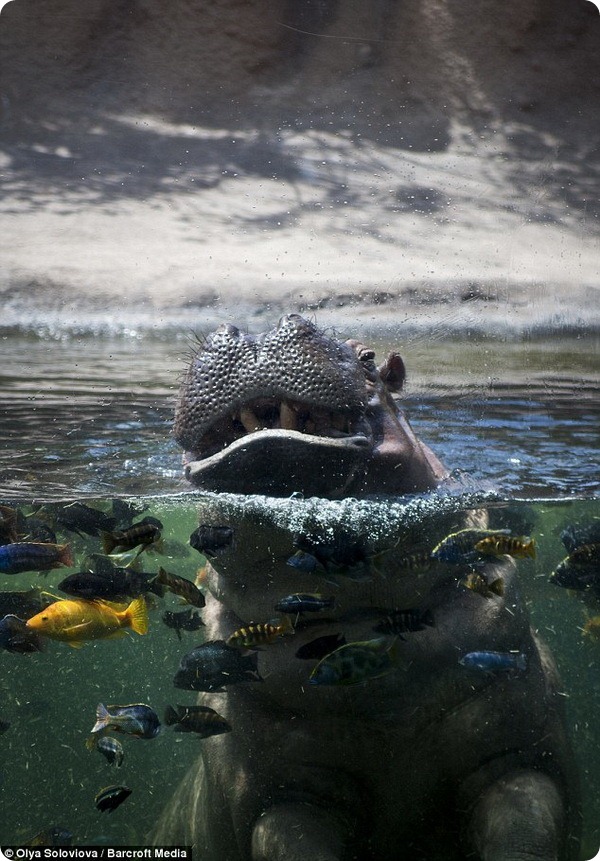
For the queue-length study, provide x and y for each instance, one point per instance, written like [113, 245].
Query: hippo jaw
[294, 410]
[281, 462]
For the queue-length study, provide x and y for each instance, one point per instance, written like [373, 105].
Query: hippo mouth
[322, 451]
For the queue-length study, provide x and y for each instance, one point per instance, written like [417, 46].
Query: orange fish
[75, 621]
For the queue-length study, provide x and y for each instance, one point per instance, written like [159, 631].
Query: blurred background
[414, 159]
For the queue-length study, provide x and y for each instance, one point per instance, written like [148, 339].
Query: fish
[211, 540]
[16, 637]
[112, 750]
[356, 662]
[202, 720]
[405, 621]
[110, 581]
[305, 602]
[345, 554]
[576, 536]
[494, 661]
[186, 620]
[144, 534]
[4, 726]
[56, 835]
[263, 633]
[303, 561]
[586, 555]
[500, 544]
[33, 556]
[75, 621]
[125, 512]
[417, 561]
[8, 525]
[591, 628]
[213, 665]
[111, 797]
[80, 518]
[321, 646]
[182, 587]
[24, 604]
[136, 719]
[479, 584]
[578, 577]
[459, 547]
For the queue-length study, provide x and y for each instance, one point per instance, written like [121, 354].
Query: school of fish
[110, 596]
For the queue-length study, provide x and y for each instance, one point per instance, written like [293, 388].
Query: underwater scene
[106, 556]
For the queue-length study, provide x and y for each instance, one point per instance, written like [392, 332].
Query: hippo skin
[430, 761]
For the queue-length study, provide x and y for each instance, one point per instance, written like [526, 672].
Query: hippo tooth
[250, 421]
[288, 418]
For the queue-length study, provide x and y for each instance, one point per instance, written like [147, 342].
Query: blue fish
[33, 556]
[494, 661]
[303, 561]
[304, 602]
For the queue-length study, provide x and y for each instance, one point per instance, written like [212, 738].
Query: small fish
[576, 577]
[4, 726]
[16, 637]
[111, 749]
[24, 604]
[320, 647]
[355, 663]
[345, 554]
[211, 540]
[592, 628]
[303, 561]
[260, 634]
[459, 547]
[80, 518]
[75, 621]
[144, 534]
[201, 720]
[125, 512]
[494, 661]
[304, 602]
[417, 561]
[136, 719]
[8, 525]
[186, 620]
[479, 584]
[586, 555]
[111, 797]
[214, 664]
[577, 536]
[405, 621]
[500, 544]
[182, 587]
[33, 556]
[110, 582]
[54, 836]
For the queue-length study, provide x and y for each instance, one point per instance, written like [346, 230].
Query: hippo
[297, 444]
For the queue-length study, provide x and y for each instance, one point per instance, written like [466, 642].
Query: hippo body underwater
[430, 759]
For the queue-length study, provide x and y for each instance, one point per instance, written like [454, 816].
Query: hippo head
[294, 410]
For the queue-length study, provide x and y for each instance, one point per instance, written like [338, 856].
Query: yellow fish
[592, 628]
[260, 634]
[75, 621]
[500, 544]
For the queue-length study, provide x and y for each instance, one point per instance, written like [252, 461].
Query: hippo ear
[393, 372]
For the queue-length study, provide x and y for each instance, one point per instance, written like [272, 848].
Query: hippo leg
[297, 831]
[520, 817]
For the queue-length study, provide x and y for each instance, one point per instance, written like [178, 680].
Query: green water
[48, 777]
